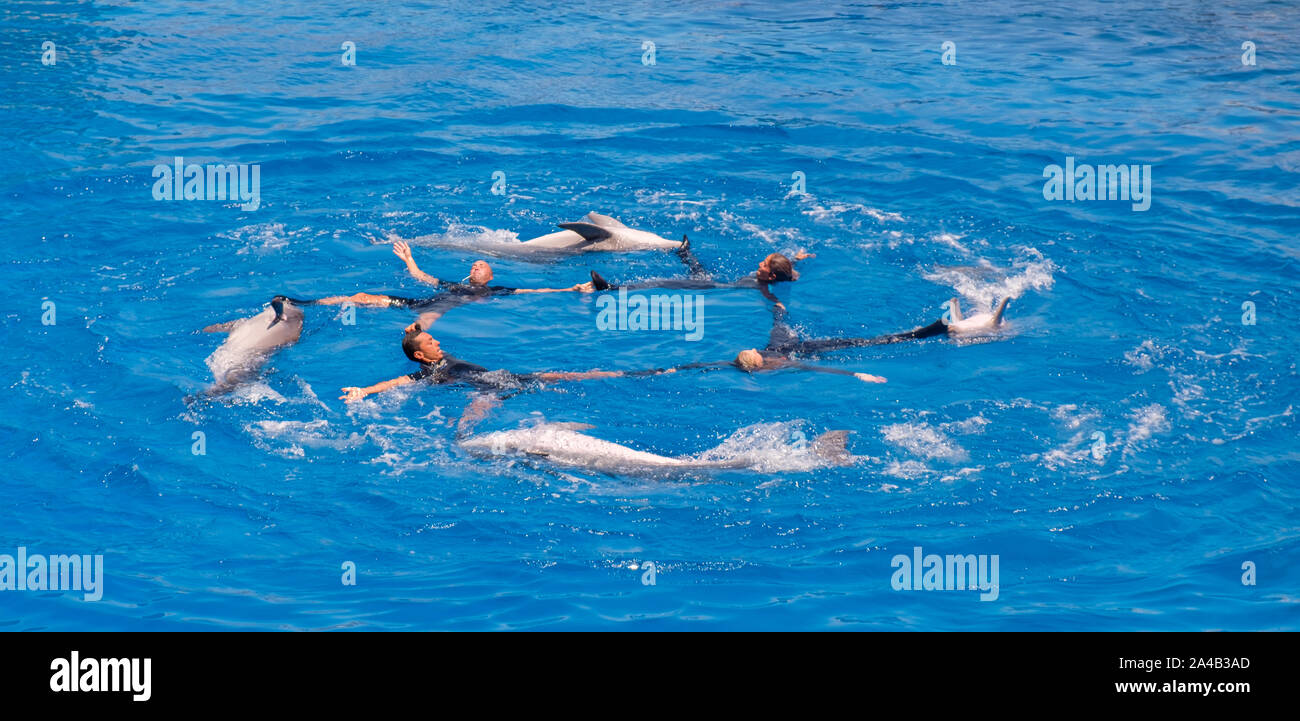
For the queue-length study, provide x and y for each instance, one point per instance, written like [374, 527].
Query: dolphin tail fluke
[954, 309]
[997, 314]
[588, 231]
[832, 446]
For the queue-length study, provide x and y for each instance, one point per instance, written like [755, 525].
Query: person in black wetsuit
[437, 367]
[784, 345]
[452, 295]
[775, 268]
[784, 341]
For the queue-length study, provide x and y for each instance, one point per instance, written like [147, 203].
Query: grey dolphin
[250, 342]
[593, 233]
[562, 444]
[978, 324]
[596, 232]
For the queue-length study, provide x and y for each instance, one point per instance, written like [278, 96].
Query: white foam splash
[291, 438]
[842, 213]
[1072, 417]
[262, 237]
[920, 439]
[1147, 421]
[907, 470]
[1144, 356]
[769, 448]
[986, 284]
[466, 237]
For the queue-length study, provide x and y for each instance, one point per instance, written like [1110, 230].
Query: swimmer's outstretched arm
[352, 394]
[477, 410]
[864, 377]
[403, 251]
[580, 288]
[366, 299]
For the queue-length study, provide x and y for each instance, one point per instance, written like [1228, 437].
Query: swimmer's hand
[352, 394]
[403, 251]
[868, 378]
[588, 287]
[803, 254]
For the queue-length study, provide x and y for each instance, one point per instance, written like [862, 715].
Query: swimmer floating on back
[784, 345]
[453, 295]
[775, 268]
[437, 367]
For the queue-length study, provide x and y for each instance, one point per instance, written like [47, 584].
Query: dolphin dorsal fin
[603, 221]
[832, 446]
[588, 231]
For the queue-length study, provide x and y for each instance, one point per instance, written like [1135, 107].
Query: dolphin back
[250, 342]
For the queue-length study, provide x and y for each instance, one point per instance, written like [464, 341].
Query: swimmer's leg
[782, 339]
[692, 263]
[828, 344]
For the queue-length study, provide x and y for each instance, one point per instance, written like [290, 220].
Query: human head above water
[749, 360]
[420, 346]
[776, 268]
[480, 273]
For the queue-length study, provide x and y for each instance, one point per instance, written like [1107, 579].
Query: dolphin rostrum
[251, 341]
[564, 445]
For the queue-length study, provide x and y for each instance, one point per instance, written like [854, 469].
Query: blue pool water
[1124, 449]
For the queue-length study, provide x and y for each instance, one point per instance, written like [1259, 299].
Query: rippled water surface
[1124, 448]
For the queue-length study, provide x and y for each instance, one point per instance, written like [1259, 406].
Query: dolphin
[251, 341]
[596, 232]
[564, 445]
[978, 324]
